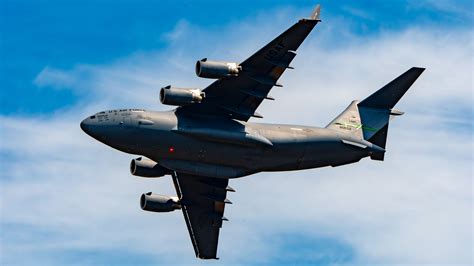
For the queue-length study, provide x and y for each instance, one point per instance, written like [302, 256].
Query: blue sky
[62, 34]
[66, 199]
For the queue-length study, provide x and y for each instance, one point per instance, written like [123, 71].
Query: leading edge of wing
[239, 96]
[202, 200]
[293, 37]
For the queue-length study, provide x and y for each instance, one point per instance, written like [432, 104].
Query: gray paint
[282, 147]
[208, 140]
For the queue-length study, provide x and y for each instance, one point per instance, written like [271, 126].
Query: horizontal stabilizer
[390, 94]
[369, 119]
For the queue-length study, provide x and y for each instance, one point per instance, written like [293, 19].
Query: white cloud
[416, 207]
[459, 8]
[54, 78]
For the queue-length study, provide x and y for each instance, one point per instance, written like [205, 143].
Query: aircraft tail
[369, 118]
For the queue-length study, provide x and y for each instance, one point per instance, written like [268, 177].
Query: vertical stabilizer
[377, 109]
[369, 118]
[348, 121]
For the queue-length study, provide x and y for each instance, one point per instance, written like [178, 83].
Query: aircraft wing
[239, 96]
[202, 202]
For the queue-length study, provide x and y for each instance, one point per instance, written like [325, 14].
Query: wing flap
[203, 201]
[240, 96]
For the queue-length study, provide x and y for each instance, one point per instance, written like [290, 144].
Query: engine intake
[147, 168]
[216, 69]
[180, 96]
[159, 203]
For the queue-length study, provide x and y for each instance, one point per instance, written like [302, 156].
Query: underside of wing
[203, 200]
[239, 95]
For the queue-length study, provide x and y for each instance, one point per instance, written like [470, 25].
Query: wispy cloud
[463, 8]
[62, 191]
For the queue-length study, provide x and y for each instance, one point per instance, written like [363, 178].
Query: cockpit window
[92, 117]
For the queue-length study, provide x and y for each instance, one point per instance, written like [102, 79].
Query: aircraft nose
[86, 125]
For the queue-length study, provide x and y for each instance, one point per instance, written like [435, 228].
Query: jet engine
[159, 203]
[180, 96]
[147, 168]
[216, 69]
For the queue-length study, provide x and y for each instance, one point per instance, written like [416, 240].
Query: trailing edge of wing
[203, 211]
[238, 97]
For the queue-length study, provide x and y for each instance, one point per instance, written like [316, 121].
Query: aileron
[206, 141]
[242, 87]
[205, 214]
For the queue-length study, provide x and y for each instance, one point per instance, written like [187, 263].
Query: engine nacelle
[159, 203]
[147, 168]
[216, 69]
[180, 96]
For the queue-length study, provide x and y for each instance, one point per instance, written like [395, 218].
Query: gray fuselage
[222, 147]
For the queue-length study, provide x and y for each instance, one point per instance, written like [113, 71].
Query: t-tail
[369, 118]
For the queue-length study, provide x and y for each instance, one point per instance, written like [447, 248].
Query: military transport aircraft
[208, 140]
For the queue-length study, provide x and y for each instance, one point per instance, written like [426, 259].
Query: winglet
[316, 13]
